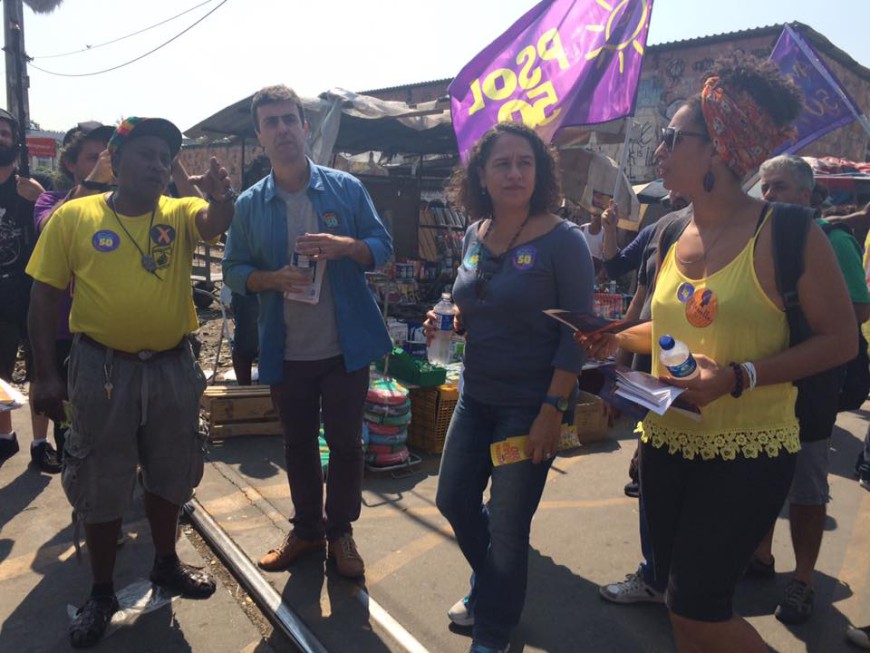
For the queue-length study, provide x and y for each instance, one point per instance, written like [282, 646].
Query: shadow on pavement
[256, 456]
[759, 598]
[40, 622]
[341, 623]
[20, 493]
[583, 621]
[845, 448]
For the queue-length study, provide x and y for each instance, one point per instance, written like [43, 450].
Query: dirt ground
[208, 335]
[214, 352]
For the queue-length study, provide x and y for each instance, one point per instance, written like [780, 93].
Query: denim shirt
[257, 240]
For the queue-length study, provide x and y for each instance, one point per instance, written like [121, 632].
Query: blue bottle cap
[666, 342]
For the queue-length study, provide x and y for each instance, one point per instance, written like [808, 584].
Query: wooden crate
[431, 410]
[235, 411]
[590, 418]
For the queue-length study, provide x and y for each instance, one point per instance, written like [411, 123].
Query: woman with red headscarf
[713, 488]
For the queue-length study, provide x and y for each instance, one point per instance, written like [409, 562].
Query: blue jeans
[494, 538]
[647, 572]
[246, 310]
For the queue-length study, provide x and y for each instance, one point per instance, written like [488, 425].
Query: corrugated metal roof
[815, 38]
[772, 30]
[402, 87]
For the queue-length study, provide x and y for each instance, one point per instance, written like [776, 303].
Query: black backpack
[845, 386]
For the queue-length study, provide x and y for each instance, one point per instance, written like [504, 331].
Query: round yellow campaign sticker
[701, 308]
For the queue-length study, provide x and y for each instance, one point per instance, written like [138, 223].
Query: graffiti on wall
[644, 141]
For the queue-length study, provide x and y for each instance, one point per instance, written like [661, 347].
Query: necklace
[703, 254]
[513, 240]
[147, 260]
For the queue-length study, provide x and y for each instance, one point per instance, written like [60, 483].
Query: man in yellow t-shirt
[134, 385]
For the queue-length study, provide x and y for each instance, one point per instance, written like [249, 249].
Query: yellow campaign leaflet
[513, 450]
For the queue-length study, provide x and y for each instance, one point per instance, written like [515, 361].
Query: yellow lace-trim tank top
[728, 317]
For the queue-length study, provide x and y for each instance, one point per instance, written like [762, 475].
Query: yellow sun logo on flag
[607, 29]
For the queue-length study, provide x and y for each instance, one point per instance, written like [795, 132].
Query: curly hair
[774, 93]
[71, 151]
[465, 190]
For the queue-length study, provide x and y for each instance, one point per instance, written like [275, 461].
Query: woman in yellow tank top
[712, 489]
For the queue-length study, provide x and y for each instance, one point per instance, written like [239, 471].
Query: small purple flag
[565, 62]
[826, 104]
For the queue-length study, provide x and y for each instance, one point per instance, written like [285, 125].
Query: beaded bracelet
[738, 374]
[229, 196]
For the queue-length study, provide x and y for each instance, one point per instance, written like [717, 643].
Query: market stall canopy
[589, 179]
[354, 123]
[366, 124]
[838, 181]
[651, 192]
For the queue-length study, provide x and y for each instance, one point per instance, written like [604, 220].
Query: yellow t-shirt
[117, 301]
[728, 317]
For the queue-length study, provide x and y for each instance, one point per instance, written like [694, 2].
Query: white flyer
[10, 398]
[310, 293]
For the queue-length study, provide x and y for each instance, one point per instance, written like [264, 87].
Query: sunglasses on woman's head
[670, 137]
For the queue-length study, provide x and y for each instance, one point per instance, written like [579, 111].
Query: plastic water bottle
[675, 356]
[438, 351]
[304, 263]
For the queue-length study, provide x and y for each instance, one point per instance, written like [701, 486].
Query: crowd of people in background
[95, 282]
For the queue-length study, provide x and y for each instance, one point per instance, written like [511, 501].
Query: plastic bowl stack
[387, 414]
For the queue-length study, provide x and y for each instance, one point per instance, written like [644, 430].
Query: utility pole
[17, 81]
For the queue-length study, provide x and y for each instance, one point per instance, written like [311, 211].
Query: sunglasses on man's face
[671, 137]
[487, 266]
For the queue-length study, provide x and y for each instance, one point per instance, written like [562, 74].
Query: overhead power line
[139, 58]
[88, 48]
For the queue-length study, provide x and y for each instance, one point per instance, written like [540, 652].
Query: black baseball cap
[92, 129]
[5, 115]
[134, 127]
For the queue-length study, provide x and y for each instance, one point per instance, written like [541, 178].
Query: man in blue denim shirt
[314, 355]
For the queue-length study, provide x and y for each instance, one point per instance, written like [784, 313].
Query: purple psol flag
[565, 62]
[826, 104]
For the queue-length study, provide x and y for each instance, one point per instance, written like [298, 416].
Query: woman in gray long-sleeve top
[521, 366]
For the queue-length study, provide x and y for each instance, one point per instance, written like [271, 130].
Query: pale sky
[314, 46]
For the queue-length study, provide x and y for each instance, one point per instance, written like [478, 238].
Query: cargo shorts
[810, 487]
[149, 418]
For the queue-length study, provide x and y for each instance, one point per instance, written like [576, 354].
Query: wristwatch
[559, 403]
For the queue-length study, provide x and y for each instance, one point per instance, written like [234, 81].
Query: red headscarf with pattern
[743, 133]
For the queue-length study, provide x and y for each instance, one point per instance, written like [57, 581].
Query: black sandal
[91, 620]
[187, 580]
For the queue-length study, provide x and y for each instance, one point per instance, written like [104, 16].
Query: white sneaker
[859, 637]
[460, 615]
[632, 590]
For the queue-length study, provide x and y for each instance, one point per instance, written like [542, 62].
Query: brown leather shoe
[289, 552]
[347, 558]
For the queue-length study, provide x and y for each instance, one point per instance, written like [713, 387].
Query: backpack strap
[667, 237]
[790, 227]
